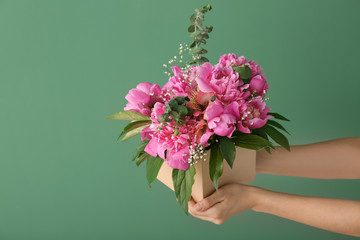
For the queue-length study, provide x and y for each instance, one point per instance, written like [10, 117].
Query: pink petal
[203, 79]
[138, 96]
[243, 129]
[233, 109]
[144, 86]
[213, 110]
[177, 160]
[205, 137]
[151, 148]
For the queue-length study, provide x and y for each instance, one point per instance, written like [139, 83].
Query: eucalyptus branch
[199, 33]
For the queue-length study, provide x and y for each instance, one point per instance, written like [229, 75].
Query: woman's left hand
[228, 201]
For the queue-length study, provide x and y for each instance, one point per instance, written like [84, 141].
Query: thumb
[208, 202]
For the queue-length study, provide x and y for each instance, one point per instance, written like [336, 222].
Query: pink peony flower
[221, 120]
[180, 84]
[253, 114]
[142, 98]
[224, 82]
[258, 85]
[178, 159]
[231, 60]
[162, 137]
[255, 68]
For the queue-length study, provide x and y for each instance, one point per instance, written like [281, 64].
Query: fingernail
[198, 207]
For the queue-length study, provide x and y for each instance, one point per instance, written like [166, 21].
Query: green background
[66, 65]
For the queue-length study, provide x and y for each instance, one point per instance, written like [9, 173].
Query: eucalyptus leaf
[175, 115]
[277, 136]
[205, 35]
[192, 18]
[179, 99]
[207, 7]
[133, 132]
[182, 110]
[196, 50]
[193, 44]
[129, 115]
[183, 181]
[195, 34]
[191, 28]
[190, 111]
[202, 60]
[216, 164]
[153, 166]
[209, 29]
[173, 103]
[228, 150]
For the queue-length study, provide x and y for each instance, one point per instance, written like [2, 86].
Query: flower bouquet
[204, 111]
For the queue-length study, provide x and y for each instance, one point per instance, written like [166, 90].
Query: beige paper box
[243, 171]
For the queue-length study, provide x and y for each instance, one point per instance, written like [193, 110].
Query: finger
[208, 202]
[202, 217]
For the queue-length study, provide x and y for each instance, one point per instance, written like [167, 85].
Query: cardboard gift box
[243, 171]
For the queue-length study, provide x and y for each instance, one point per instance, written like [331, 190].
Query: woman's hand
[228, 201]
[337, 215]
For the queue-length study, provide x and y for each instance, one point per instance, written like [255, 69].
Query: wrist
[257, 197]
[260, 160]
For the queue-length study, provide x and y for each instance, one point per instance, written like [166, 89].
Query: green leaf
[175, 115]
[209, 29]
[195, 34]
[190, 111]
[207, 7]
[141, 158]
[253, 140]
[133, 132]
[182, 110]
[173, 103]
[129, 115]
[191, 28]
[277, 136]
[228, 150]
[278, 125]
[260, 132]
[202, 60]
[278, 116]
[244, 71]
[193, 44]
[248, 146]
[183, 181]
[140, 149]
[196, 50]
[268, 150]
[153, 166]
[180, 100]
[132, 126]
[216, 164]
[202, 41]
[192, 18]
[205, 35]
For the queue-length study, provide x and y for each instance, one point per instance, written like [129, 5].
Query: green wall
[66, 65]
